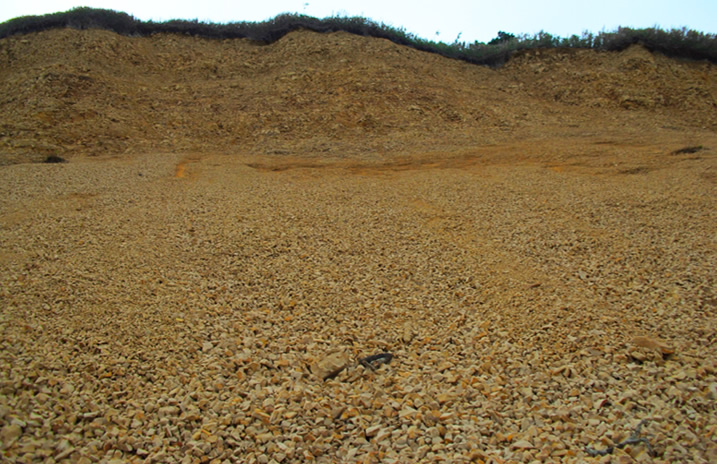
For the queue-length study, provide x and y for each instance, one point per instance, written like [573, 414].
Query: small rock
[408, 335]
[168, 411]
[383, 434]
[625, 459]
[65, 453]
[406, 412]
[262, 416]
[264, 437]
[19, 422]
[10, 433]
[67, 389]
[522, 444]
[446, 416]
[63, 445]
[712, 391]
[372, 430]
[337, 412]
[653, 344]
[331, 365]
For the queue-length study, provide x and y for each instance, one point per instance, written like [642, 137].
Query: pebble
[331, 365]
[522, 444]
[653, 344]
[9, 433]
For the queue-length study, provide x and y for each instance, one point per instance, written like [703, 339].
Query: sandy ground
[539, 304]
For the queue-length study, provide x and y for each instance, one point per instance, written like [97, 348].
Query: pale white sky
[474, 20]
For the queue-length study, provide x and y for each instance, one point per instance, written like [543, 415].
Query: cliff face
[94, 92]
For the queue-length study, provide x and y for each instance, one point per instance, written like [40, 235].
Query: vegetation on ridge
[682, 43]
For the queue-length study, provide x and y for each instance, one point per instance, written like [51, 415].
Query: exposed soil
[69, 92]
[534, 245]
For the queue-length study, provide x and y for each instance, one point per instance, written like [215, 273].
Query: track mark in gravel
[283, 166]
[428, 161]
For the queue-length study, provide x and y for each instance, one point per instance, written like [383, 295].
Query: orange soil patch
[179, 172]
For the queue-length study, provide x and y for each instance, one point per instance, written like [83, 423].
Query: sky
[444, 20]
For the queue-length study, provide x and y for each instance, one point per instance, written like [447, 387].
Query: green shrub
[76, 18]
[502, 37]
[682, 43]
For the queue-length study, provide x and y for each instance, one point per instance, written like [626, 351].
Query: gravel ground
[168, 309]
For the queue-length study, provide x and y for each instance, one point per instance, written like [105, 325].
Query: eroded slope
[94, 92]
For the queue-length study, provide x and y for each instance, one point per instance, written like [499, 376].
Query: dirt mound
[95, 92]
[631, 79]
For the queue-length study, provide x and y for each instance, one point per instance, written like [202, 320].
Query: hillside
[94, 92]
[242, 228]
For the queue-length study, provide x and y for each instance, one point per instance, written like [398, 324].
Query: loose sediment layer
[163, 308]
[73, 93]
